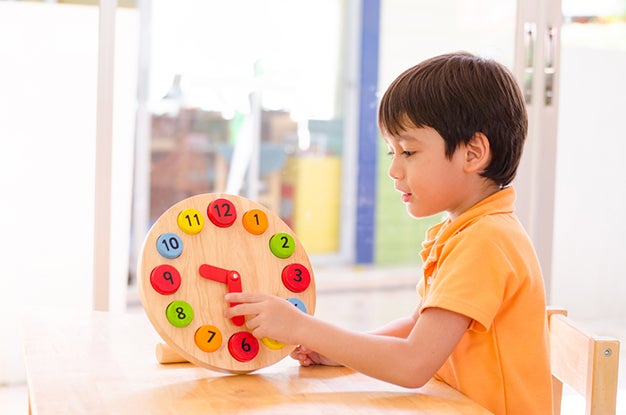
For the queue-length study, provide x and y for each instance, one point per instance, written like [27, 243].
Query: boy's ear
[477, 153]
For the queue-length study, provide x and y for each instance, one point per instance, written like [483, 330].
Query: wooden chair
[587, 364]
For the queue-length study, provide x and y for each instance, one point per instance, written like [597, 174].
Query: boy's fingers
[238, 310]
[245, 297]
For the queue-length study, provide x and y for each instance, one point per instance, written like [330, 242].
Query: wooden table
[102, 363]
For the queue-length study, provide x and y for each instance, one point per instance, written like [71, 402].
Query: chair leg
[557, 396]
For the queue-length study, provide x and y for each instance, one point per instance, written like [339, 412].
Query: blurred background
[112, 111]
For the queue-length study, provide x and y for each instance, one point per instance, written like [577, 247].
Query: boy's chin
[419, 214]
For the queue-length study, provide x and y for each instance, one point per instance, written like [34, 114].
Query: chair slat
[569, 348]
[587, 364]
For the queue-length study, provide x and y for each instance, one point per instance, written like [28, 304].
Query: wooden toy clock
[200, 249]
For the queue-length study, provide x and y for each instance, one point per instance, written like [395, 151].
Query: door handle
[549, 70]
[530, 34]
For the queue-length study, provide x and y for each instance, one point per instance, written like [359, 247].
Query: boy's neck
[483, 189]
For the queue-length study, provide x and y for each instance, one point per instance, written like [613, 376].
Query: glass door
[245, 97]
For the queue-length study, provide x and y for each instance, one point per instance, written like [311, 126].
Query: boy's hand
[267, 316]
[308, 357]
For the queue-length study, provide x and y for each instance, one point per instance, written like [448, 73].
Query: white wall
[589, 269]
[47, 144]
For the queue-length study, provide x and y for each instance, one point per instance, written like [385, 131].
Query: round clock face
[200, 249]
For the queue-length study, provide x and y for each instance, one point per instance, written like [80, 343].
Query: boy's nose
[394, 172]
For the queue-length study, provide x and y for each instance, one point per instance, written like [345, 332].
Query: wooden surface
[231, 248]
[101, 363]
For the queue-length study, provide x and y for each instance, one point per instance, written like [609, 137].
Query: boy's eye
[404, 153]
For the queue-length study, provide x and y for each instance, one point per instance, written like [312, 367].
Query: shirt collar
[503, 201]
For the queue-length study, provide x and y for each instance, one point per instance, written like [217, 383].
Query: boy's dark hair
[457, 95]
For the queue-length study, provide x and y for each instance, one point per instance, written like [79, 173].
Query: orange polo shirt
[483, 265]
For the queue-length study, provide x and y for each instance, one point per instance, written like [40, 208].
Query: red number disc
[165, 279]
[296, 277]
[243, 346]
[222, 212]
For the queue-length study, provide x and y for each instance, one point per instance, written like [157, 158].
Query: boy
[455, 126]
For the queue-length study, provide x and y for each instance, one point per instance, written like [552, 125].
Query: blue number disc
[298, 303]
[169, 245]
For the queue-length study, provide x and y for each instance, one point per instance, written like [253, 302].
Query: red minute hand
[224, 276]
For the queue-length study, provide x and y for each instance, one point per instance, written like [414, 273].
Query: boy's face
[429, 181]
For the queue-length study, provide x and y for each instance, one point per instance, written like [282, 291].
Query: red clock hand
[234, 286]
[232, 279]
[214, 273]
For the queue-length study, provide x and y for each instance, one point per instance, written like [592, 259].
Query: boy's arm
[397, 328]
[408, 362]
[400, 327]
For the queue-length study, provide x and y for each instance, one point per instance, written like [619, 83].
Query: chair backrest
[587, 364]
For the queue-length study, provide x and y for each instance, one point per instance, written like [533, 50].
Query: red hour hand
[232, 279]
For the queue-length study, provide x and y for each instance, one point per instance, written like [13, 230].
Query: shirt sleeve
[471, 277]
